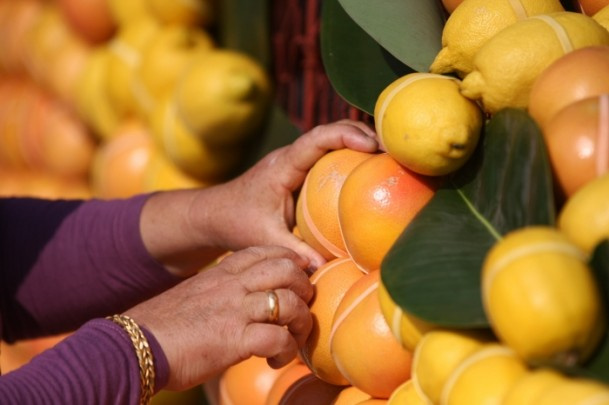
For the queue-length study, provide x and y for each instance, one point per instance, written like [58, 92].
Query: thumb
[293, 242]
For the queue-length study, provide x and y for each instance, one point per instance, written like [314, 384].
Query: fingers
[247, 258]
[299, 157]
[270, 341]
[305, 250]
[293, 312]
[279, 273]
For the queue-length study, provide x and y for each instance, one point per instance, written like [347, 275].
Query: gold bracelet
[143, 352]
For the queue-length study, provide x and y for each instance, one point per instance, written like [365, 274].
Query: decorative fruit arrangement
[494, 288]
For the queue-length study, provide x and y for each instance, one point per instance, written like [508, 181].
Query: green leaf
[598, 366]
[411, 30]
[433, 269]
[356, 65]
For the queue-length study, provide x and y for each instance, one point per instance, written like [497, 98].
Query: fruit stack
[544, 306]
[122, 97]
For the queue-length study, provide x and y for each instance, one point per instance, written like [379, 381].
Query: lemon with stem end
[541, 297]
[507, 65]
[474, 22]
[425, 124]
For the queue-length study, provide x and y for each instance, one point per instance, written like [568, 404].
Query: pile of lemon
[539, 293]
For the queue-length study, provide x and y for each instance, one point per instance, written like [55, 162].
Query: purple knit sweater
[64, 266]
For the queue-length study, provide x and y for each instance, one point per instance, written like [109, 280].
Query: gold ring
[273, 306]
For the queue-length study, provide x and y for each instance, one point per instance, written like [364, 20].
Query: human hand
[257, 208]
[220, 317]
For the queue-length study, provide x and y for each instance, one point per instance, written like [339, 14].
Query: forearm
[92, 262]
[95, 365]
[177, 229]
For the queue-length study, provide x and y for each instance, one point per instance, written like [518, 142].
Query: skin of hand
[186, 229]
[218, 317]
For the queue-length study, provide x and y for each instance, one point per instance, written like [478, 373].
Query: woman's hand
[187, 229]
[257, 208]
[222, 316]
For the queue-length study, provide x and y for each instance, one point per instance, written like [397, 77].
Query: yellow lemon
[602, 16]
[484, 377]
[195, 157]
[475, 21]
[528, 389]
[223, 97]
[408, 393]
[424, 123]
[407, 328]
[541, 297]
[584, 218]
[507, 65]
[436, 356]
[577, 391]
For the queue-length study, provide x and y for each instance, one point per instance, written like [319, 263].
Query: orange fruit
[373, 401]
[350, 396]
[577, 138]
[362, 344]
[309, 390]
[332, 280]
[317, 204]
[120, 164]
[591, 7]
[290, 375]
[377, 201]
[248, 382]
[579, 74]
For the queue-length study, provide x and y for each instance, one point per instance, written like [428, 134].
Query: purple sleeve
[95, 365]
[65, 262]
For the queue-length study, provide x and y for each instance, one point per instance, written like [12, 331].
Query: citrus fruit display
[407, 328]
[485, 376]
[404, 112]
[249, 381]
[376, 202]
[350, 395]
[317, 205]
[566, 80]
[362, 345]
[541, 297]
[583, 217]
[527, 389]
[474, 22]
[575, 391]
[437, 355]
[408, 393]
[331, 282]
[577, 138]
[290, 375]
[506, 66]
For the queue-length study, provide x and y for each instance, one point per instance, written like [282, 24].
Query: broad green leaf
[411, 30]
[356, 65]
[598, 366]
[433, 269]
